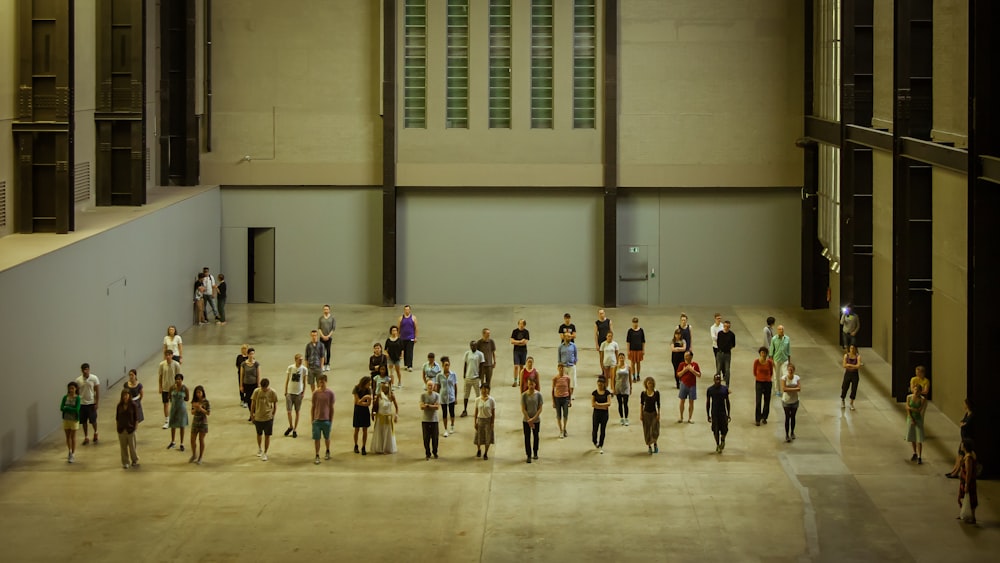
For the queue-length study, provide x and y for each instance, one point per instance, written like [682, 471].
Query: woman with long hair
[677, 348]
[967, 482]
[126, 418]
[621, 382]
[791, 386]
[385, 414]
[649, 401]
[136, 393]
[852, 366]
[69, 408]
[915, 406]
[362, 408]
[200, 409]
[173, 342]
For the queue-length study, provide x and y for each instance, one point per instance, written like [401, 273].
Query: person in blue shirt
[567, 357]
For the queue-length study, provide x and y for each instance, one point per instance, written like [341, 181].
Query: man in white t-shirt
[474, 361]
[295, 386]
[715, 329]
[90, 396]
[209, 295]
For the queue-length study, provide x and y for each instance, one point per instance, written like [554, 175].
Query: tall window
[826, 105]
[499, 60]
[415, 63]
[584, 64]
[457, 85]
[541, 64]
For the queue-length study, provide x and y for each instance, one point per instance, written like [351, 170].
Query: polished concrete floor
[843, 491]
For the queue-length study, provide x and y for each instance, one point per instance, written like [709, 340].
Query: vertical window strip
[541, 64]
[584, 64]
[415, 64]
[827, 106]
[499, 64]
[457, 78]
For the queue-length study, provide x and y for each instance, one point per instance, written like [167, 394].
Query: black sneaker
[295, 434]
[289, 431]
[913, 457]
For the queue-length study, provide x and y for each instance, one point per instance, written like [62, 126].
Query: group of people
[376, 407]
[209, 295]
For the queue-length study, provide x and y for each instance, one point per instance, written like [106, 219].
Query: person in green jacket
[70, 409]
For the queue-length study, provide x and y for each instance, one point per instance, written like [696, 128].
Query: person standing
[321, 416]
[264, 404]
[69, 409]
[377, 360]
[362, 414]
[220, 298]
[916, 406]
[636, 338]
[431, 369]
[850, 324]
[688, 372]
[562, 397]
[199, 299]
[200, 409]
[649, 404]
[447, 387]
[394, 349]
[791, 386]
[717, 409]
[327, 324]
[314, 357]
[407, 324]
[295, 377]
[249, 377]
[240, 358]
[167, 370]
[126, 419]
[529, 372]
[567, 357]
[725, 341]
[386, 415]
[136, 393]
[780, 350]
[768, 332]
[609, 355]
[473, 363]
[531, 413]
[763, 373]
[621, 382]
[90, 396]
[178, 419]
[685, 329]
[488, 347]
[967, 429]
[600, 400]
[173, 342]
[714, 331]
[519, 339]
[920, 378]
[567, 327]
[486, 411]
[209, 294]
[677, 348]
[602, 326]
[852, 366]
[430, 404]
[967, 490]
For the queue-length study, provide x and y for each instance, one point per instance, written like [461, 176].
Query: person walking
[791, 386]
[636, 338]
[688, 372]
[430, 404]
[178, 419]
[69, 409]
[126, 419]
[407, 324]
[916, 406]
[377, 360]
[717, 408]
[621, 382]
[447, 387]
[295, 387]
[90, 397]
[967, 429]
[321, 416]
[519, 338]
[488, 347]
[780, 351]
[472, 364]
[602, 326]
[486, 411]
[763, 374]
[362, 393]
[250, 376]
[264, 405]
[173, 342]
[531, 413]
[327, 324]
[649, 404]
[600, 400]
[314, 358]
[431, 369]
[850, 324]
[529, 372]
[568, 357]
[677, 348]
[725, 341]
[135, 392]
[166, 372]
[852, 366]
[394, 349]
[220, 298]
[768, 332]
[562, 398]
[200, 410]
[240, 358]
[609, 355]
[968, 496]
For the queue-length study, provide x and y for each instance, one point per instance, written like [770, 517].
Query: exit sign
[633, 250]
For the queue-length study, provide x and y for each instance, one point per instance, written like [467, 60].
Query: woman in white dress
[386, 415]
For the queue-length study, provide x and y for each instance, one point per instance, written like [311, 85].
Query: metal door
[633, 275]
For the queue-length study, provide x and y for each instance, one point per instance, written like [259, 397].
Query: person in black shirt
[220, 299]
[967, 430]
[602, 326]
[717, 407]
[567, 327]
[519, 338]
[636, 339]
[726, 341]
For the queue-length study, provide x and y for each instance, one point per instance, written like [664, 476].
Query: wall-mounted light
[826, 253]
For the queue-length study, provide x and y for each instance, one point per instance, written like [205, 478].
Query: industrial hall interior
[499, 280]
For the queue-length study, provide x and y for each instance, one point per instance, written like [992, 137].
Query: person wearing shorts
[322, 415]
[263, 405]
[315, 353]
[688, 372]
[294, 389]
[90, 395]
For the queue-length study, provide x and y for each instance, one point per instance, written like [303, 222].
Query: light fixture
[826, 253]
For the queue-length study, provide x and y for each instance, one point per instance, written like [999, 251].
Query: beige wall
[8, 93]
[480, 156]
[295, 87]
[882, 71]
[949, 303]
[882, 258]
[711, 93]
[951, 72]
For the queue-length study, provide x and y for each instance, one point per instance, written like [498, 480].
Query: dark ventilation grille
[81, 182]
[3, 203]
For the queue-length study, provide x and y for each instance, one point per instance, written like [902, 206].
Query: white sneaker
[260, 452]
[626, 422]
[166, 424]
[621, 421]
[445, 433]
[452, 429]
[263, 457]
[601, 450]
[70, 459]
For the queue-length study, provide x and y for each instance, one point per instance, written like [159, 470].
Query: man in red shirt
[688, 372]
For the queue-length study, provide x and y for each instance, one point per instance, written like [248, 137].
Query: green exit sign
[633, 250]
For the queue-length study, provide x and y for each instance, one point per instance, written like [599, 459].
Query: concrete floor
[844, 491]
